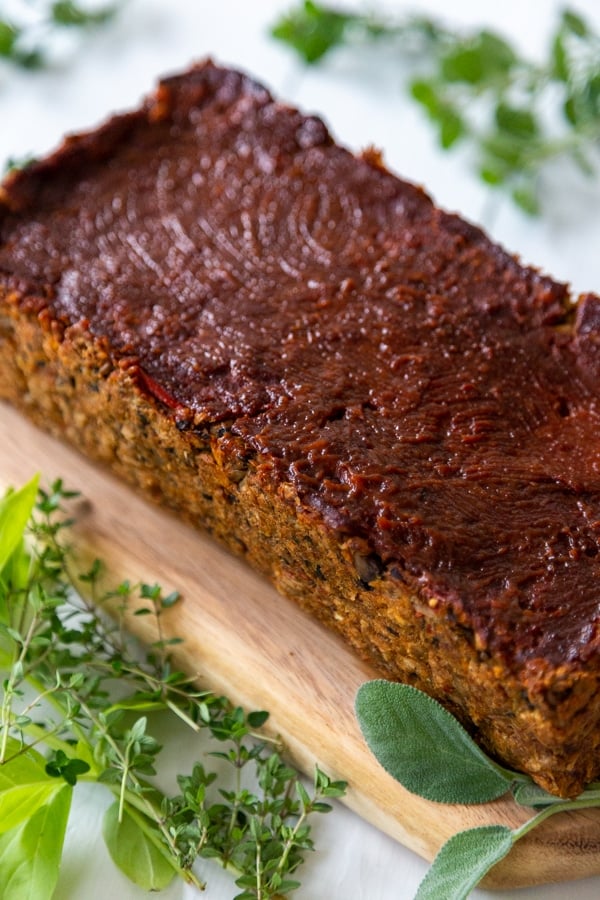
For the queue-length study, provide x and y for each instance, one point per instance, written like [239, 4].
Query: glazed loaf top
[418, 386]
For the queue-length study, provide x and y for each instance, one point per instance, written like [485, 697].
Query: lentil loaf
[378, 407]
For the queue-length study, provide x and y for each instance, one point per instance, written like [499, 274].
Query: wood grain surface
[243, 639]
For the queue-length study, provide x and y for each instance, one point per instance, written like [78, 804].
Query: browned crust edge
[541, 721]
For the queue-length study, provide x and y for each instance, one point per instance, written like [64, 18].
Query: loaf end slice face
[374, 404]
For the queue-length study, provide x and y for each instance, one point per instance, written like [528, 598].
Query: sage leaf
[30, 854]
[527, 793]
[134, 852]
[423, 746]
[463, 861]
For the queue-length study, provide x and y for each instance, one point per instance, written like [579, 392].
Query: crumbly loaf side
[542, 721]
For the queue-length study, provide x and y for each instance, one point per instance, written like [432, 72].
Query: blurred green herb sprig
[477, 89]
[23, 42]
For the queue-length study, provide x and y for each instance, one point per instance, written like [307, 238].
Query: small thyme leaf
[60, 765]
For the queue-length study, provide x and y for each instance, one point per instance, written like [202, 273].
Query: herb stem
[16, 674]
[587, 801]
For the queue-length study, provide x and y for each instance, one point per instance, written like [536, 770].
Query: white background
[363, 103]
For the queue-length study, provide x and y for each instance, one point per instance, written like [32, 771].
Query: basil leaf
[423, 746]
[463, 861]
[21, 767]
[134, 853]
[20, 802]
[15, 510]
[30, 854]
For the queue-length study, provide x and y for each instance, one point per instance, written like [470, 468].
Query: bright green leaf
[30, 854]
[134, 852]
[463, 861]
[423, 746]
[22, 767]
[18, 568]
[426, 93]
[19, 802]
[452, 128]
[15, 511]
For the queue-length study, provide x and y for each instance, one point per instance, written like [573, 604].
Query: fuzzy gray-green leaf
[424, 748]
[463, 861]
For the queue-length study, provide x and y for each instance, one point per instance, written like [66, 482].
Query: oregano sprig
[517, 115]
[24, 41]
[77, 704]
[428, 751]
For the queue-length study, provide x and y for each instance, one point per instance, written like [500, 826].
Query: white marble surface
[363, 104]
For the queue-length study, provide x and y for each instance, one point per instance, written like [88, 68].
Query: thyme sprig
[517, 116]
[77, 704]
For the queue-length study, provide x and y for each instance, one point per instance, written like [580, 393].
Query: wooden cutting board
[243, 639]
